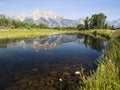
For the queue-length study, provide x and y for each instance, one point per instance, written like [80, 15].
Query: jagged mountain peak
[36, 14]
[22, 16]
[51, 15]
[12, 16]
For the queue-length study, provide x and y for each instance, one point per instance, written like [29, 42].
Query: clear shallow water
[41, 63]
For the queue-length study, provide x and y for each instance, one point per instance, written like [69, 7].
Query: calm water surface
[47, 63]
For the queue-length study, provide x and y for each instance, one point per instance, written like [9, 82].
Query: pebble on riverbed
[77, 72]
[34, 69]
[60, 79]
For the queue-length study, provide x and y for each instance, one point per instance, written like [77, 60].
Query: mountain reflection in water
[47, 63]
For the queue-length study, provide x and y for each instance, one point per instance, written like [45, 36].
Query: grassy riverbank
[107, 75]
[19, 34]
[100, 33]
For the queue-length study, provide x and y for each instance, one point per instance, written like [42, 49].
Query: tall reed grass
[107, 75]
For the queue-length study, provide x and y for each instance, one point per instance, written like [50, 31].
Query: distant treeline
[96, 21]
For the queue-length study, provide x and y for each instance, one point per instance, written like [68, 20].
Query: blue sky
[66, 8]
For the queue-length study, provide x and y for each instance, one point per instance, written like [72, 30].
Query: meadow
[25, 33]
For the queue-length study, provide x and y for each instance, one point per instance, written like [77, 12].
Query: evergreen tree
[86, 21]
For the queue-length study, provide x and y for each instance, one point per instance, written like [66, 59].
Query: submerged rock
[77, 72]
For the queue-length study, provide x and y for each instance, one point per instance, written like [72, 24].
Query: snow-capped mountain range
[52, 19]
[49, 18]
[115, 23]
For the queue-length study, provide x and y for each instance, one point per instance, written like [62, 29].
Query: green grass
[18, 33]
[100, 33]
[107, 75]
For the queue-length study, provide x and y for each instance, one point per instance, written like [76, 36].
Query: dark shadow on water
[48, 63]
